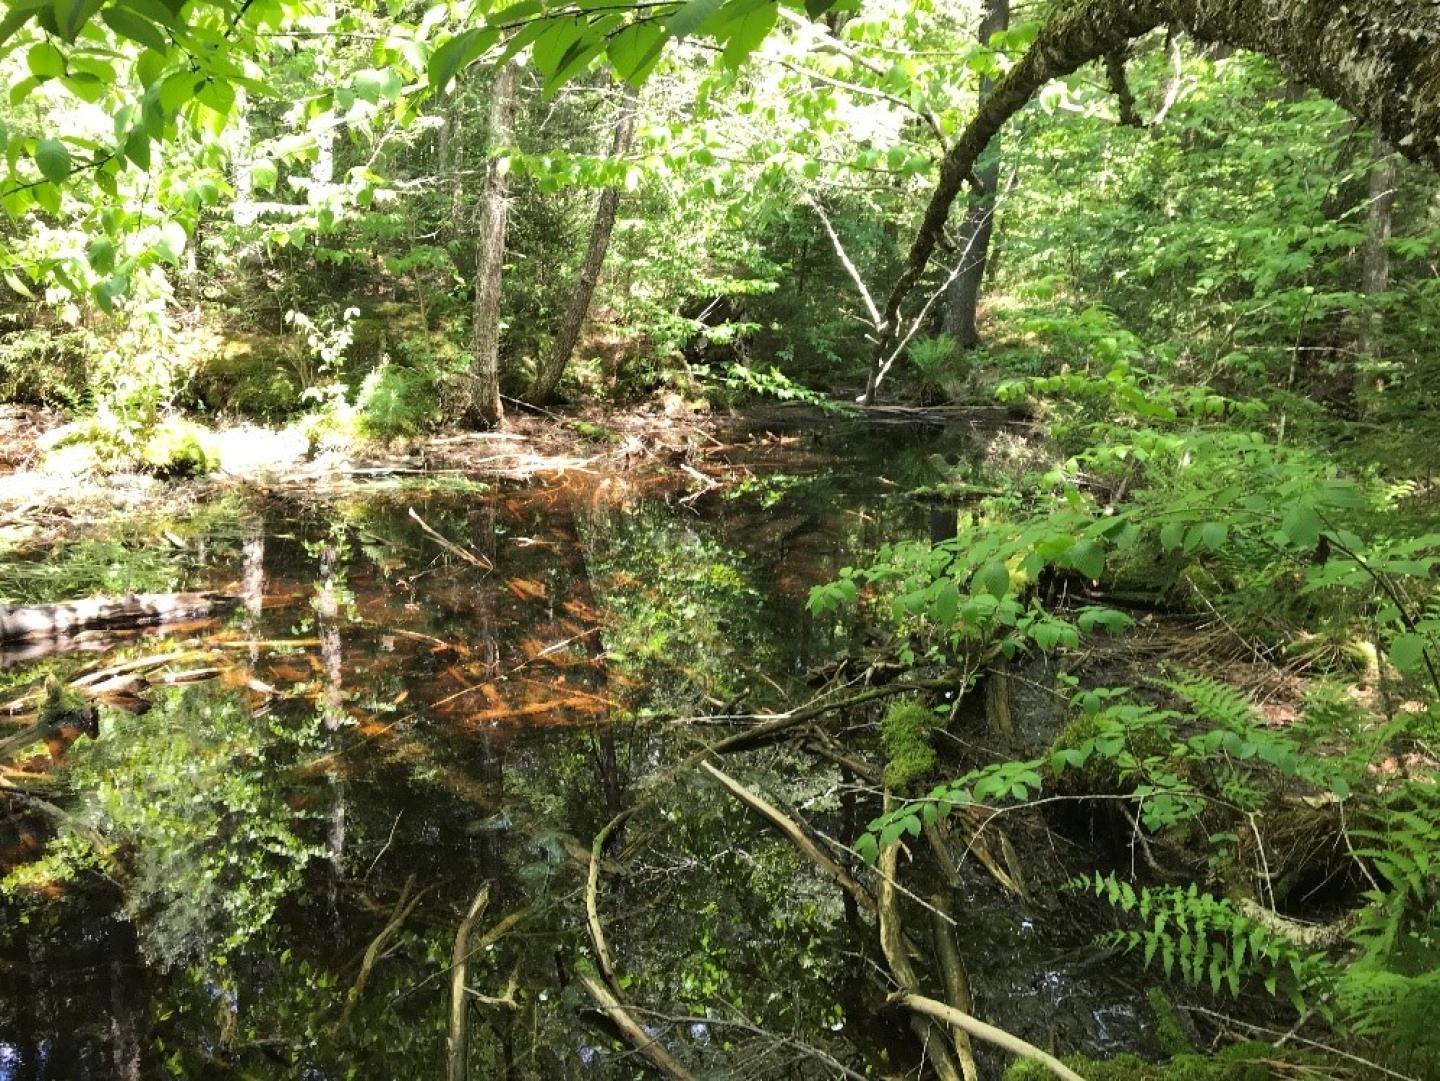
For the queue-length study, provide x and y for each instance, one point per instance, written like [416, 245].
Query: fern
[1216, 702]
[1203, 940]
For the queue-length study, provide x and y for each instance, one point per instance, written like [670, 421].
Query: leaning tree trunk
[963, 295]
[484, 405]
[1380, 59]
[572, 322]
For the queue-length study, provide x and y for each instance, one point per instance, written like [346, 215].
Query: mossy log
[29, 622]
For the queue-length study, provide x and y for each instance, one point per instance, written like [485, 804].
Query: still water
[432, 684]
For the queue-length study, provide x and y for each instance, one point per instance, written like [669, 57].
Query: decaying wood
[634, 1034]
[892, 944]
[957, 982]
[459, 1042]
[135, 610]
[997, 700]
[795, 834]
[939, 1011]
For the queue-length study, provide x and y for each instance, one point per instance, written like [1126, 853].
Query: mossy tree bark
[572, 322]
[1379, 58]
[483, 406]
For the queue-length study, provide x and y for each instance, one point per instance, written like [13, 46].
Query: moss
[181, 448]
[1239, 1062]
[252, 375]
[905, 731]
[1168, 1033]
[62, 703]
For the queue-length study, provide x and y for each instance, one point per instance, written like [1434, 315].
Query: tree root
[957, 982]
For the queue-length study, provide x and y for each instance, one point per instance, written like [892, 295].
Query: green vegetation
[1183, 256]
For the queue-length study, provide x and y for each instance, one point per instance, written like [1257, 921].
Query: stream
[386, 723]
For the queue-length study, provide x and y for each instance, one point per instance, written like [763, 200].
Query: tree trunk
[1379, 60]
[484, 406]
[132, 610]
[963, 296]
[1375, 277]
[572, 322]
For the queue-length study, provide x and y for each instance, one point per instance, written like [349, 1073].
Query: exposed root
[957, 983]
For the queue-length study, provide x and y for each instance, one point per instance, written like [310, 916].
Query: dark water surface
[384, 726]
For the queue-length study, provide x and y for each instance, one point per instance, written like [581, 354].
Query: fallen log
[21, 623]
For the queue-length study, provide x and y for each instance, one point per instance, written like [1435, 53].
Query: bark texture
[572, 322]
[484, 407]
[1378, 58]
[1376, 274]
[963, 296]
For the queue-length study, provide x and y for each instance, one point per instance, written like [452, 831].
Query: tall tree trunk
[1375, 277]
[483, 406]
[1380, 60]
[572, 322]
[963, 296]
[1375, 268]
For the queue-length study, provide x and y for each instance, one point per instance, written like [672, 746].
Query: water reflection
[398, 721]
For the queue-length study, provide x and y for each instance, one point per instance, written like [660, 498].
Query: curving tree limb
[1379, 58]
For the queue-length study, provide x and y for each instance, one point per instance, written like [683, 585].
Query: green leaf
[171, 244]
[690, 18]
[14, 282]
[72, 15]
[129, 25]
[53, 159]
[1213, 535]
[100, 254]
[993, 578]
[137, 148]
[1407, 651]
[1172, 535]
[1301, 526]
[217, 94]
[747, 29]
[1088, 558]
[177, 89]
[264, 174]
[45, 61]
[455, 54]
[555, 43]
[634, 51]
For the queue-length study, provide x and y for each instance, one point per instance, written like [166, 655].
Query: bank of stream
[258, 864]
